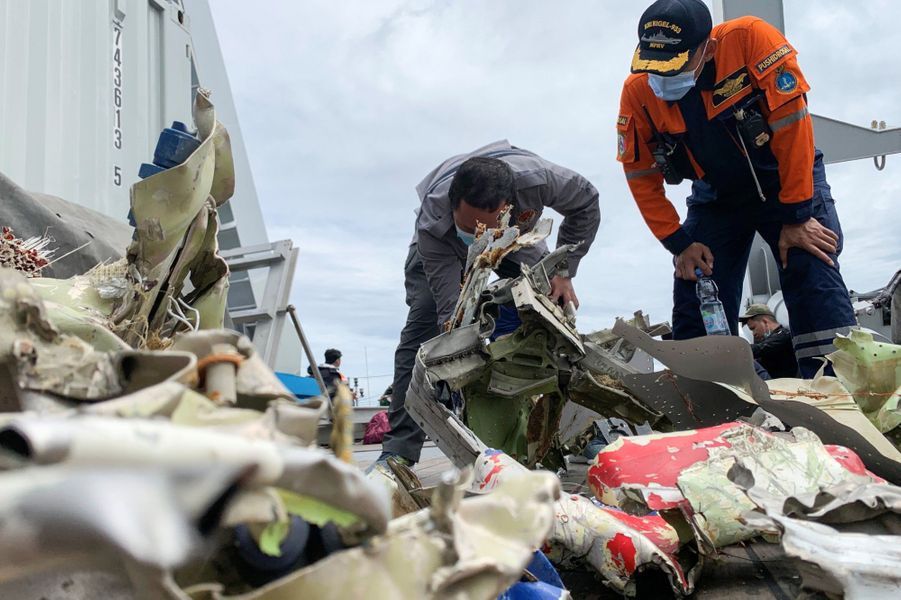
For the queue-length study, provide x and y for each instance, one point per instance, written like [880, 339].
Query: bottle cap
[698, 272]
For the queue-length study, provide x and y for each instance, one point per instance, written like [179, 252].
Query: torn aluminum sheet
[639, 473]
[109, 442]
[713, 400]
[850, 500]
[689, 471]
[855, 566]
[784, 465]
[474, 548]
[176, 227]
[615, 544]
[871, 372]
[43, 358]
[282, 421]
[154, 517]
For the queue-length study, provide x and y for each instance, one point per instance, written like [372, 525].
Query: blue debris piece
[507, 321]
[533, 591]
[175, 145]
[543, 570]
[548, 587]
[302, 387]
[148, 169]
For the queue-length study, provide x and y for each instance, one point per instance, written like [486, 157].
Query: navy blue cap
[669, 33]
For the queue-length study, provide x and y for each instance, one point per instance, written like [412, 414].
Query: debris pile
[686, 463]
[148, 453]
[141, 441]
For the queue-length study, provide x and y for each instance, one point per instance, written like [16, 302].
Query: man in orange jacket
[725, 107]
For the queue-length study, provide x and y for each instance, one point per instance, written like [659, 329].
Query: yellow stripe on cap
[676, 63]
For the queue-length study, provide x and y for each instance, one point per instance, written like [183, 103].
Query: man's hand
[810, 236]
[562, 291]
[695, 256]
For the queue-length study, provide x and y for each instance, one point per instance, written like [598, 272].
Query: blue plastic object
[548, 587]
[148, 169]
[538, 590]
[507, 321]
[542, 569]
[302, 387]
[175, 145]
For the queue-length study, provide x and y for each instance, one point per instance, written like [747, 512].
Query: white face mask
[466, 238]
[674, 87]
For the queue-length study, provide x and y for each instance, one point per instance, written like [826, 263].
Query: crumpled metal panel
[285, 422]
[837, 563]
[613, 543]
[682, 357]
[784, 465]
[871, 372]
[43, 358]
[639, 473]
[155, 517]
[830, 396]
[690, 471]
[725, 359]
[110, 442]
[473, 548]
[855, 566]
[175, 213]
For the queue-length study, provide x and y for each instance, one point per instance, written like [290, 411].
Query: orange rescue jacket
[751, 55]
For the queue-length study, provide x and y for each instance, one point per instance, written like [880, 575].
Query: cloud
[345, 106]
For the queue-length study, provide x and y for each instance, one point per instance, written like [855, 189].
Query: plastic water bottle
[712, 312]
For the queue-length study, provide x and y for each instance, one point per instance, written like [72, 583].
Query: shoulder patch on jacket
[786, 81]
[622, 120]
[730, 86]
[773, 58]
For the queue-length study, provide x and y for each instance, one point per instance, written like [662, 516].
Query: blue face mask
[674, 87]
[466, 238]
[671, 88]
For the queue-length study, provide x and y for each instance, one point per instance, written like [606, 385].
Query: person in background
[331, 376]
[772, 346]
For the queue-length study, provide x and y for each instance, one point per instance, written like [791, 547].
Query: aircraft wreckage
[149, 453]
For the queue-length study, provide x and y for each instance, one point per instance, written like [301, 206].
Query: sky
[346, 105]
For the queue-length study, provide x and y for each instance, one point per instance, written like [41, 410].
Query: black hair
[331, 355]
[484, 183]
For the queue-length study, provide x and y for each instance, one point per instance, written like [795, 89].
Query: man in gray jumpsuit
[462, 191]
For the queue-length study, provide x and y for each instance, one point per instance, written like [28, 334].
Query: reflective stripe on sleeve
[786, 121]
[641, 173]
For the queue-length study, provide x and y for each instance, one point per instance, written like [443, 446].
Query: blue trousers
[815, 294]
